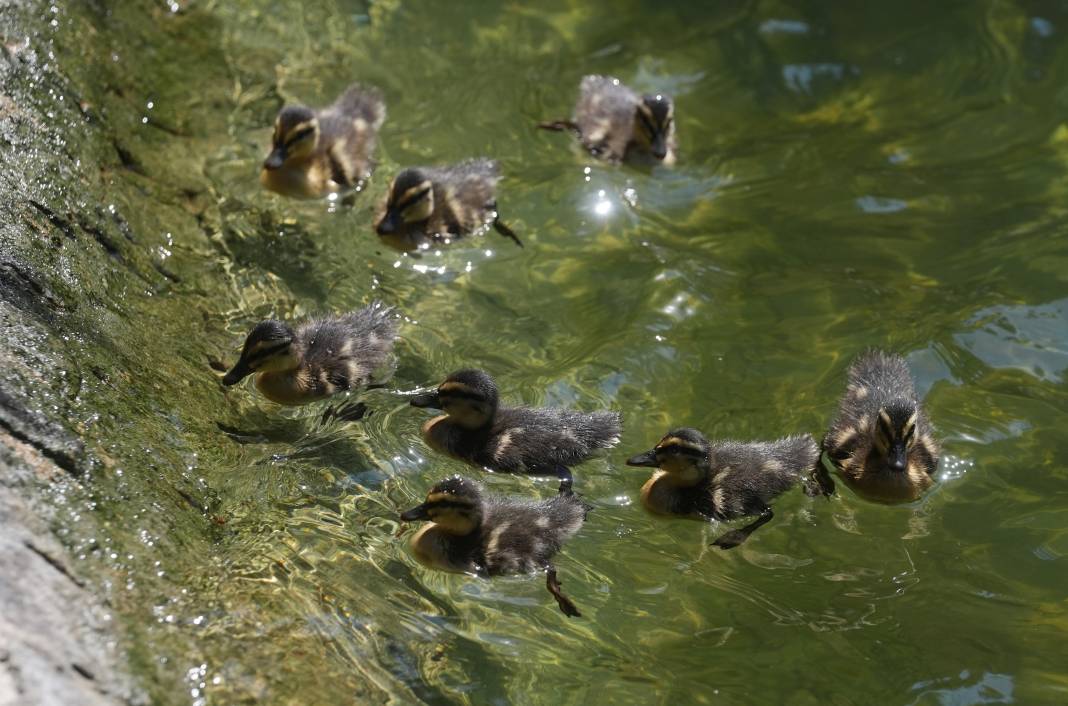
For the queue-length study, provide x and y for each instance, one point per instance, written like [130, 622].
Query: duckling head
[410, 200]
[894, 435]
[654, 116]
[684, 453]
[454, 505]
[268, 348]
[469, 397]
[296, 135]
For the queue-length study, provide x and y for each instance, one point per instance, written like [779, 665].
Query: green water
[850, 174]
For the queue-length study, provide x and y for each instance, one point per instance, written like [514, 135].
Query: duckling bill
[488, 535]
[614, 123]
[318, 358]
[427, 205]
[724, 480]
[319, 152]
[881, 442]
[478, 430]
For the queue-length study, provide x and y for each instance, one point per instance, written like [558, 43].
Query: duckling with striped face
[319, 152]
[318, 358]
[881, 441]
[701, 480]
[428, 205]
[614, 123]
[487, 535]
[477, 430]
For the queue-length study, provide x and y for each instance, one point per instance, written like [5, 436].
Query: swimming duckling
[881, 441]
[477, 430]
[431, 204]
[723, 480]
[319, 358]
[614, 122]
[319, 152]
[490, 535]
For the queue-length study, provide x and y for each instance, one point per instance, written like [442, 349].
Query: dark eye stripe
[264, 352]
[460, 395]
[415, 199]
[299, 135]
[449, 505]
[680, 451]
[645, 121]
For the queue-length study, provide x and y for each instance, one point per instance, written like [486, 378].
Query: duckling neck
[445, 435]
[305, 178]
[684, 475]
[439, 549]
[288, 387]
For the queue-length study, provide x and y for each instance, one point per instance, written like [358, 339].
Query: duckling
[432, 204]
[319, 152]
[489, 535]
[318, 358]
[476, 429]
[881, 441]
[723, 480]
[614, 122]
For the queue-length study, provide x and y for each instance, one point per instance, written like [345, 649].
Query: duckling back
[747, 476]
[532, 440]
[604, 116]
[522, 536]
[876, 379]
[343, 352]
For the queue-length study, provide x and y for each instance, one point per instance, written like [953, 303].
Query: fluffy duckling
[476, 429]
[614, 122]
[489, 535]
[881, 441]
[318, 358]
[723, 480]
[431, 204]
[319, 152]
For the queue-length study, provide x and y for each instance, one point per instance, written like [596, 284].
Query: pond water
[849, 174]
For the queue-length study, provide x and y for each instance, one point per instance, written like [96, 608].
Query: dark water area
[849, 174]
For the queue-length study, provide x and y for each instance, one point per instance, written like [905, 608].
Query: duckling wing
[522, 537]
[372, 330]
[604, 115]
[343, 352]
[348, 130]
[539, 440]
[470, 192]
[746, 477]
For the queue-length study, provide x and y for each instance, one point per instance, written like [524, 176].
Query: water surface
[850, 174]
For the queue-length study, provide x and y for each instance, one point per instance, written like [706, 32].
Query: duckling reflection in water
[489, 535]
[723, 480]
[320, 152]
[477, 430]
[427, 205]
[881, 441]
[613, 122]
[318, 358]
